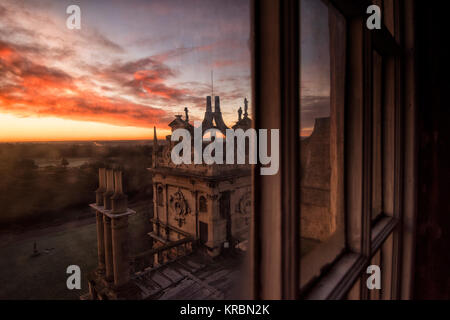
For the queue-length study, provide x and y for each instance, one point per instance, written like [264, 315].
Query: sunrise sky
[134, 64]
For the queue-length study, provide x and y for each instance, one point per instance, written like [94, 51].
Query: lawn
[44, 277]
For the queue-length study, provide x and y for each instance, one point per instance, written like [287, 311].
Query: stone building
[210, 203]
[111, 279]
[199, 211]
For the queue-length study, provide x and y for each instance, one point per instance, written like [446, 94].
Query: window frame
[275, 255]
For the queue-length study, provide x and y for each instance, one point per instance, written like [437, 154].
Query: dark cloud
[106, 43]
[87, 75]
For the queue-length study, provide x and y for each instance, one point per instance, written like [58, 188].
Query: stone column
[100, 243]
[213, 225]
[99, 215]
[213, 215]
[155, 201]
[109, 189]
[156, 227]
[107, 224]
[196, 204]
[166, 210]
[155, 211]
[120, 233]
[155, 260]
[120, 251]
[101, 187]
[108, 249]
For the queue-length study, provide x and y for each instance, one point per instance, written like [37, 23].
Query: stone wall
[316, 219]
[179, 206]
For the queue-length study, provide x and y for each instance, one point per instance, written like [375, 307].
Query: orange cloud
[30, 89]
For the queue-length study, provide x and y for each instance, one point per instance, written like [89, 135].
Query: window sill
[339, 280]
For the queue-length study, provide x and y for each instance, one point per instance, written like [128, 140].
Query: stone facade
[210, 203]
[317, 221]
[195, 207]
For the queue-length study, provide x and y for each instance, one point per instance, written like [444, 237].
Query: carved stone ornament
[244, 206]
[180, 207]
[167, 156]
[212, 196]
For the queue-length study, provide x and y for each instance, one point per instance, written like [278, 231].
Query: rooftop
[193, 277]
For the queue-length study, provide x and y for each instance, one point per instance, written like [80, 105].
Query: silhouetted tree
[64, 162]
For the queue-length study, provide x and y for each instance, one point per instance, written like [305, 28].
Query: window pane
[389, 15]
[377, 137]
[321, 131]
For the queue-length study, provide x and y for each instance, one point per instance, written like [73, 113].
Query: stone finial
[119, 199]
[240, 113]
[186, 112]
[109, 189]
[101, 186]
[245, 108]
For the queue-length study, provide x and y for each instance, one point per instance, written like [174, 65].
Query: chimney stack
[113, 271]
[109, 189]
[101, 186]
[119, 199]
[217, 104]
[208, 104]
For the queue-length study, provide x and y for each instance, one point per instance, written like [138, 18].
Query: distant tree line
[30, 196]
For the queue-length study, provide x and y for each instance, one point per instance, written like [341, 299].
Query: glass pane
[388, 10]
[321, 131]
[377, 137]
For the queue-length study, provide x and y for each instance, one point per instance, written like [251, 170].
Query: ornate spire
[155, 146]
[208, 119]
[220, 124]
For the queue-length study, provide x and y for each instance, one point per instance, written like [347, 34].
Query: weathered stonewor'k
[111, 278]
[199, 212]
[208, 203]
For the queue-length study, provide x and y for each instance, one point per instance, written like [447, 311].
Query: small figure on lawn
[35, 250]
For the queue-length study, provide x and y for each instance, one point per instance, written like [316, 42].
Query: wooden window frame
[275, 233]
